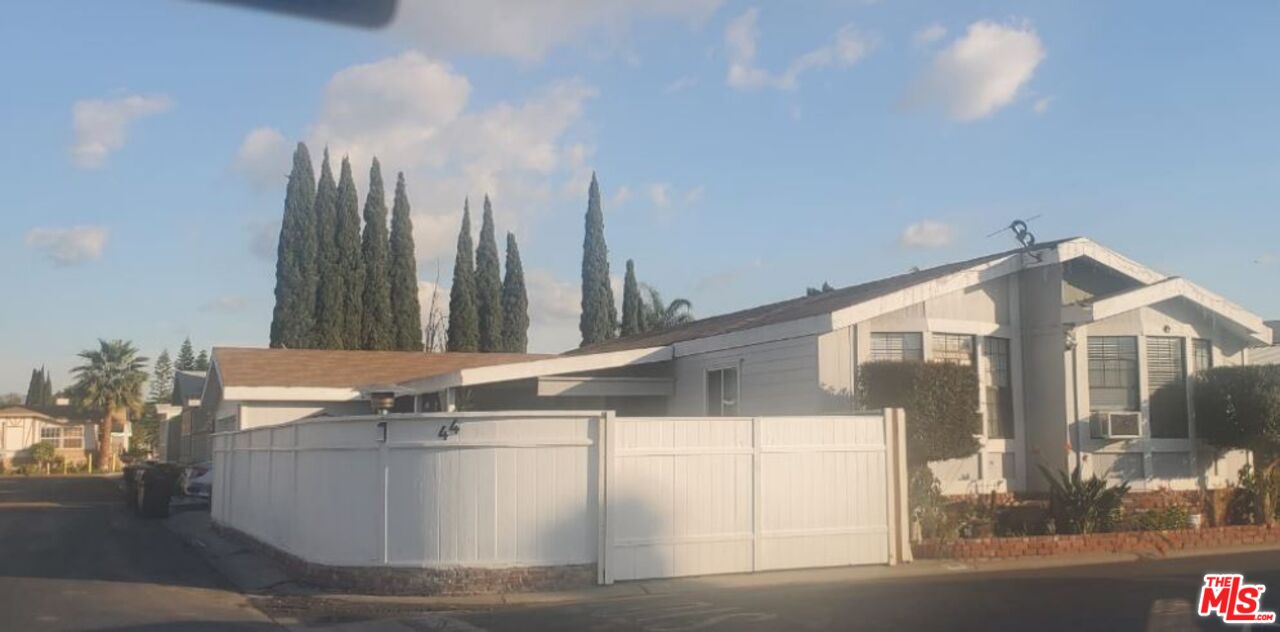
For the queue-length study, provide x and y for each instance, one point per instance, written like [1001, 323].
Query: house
[1269, 355]
[22, 427]
[186, 435]
[1083, 357]
[249, 387]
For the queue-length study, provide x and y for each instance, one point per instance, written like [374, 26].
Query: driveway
[72, 558]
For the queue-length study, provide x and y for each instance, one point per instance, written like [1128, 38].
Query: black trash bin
[155, 489]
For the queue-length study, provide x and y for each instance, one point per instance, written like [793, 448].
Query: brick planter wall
[1154, 542]
[382, 580]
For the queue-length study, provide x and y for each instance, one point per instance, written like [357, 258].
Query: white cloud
[102, 125]
[680, 85]
[1042, 105]
[554, 306]
[264, 158]
[741, 37]
[69, 246]
[980, 72]
[414, 113]
[928, 35]
[225, 305]
[927, 234]
[660, 194]
[621, 196]
[694, 195]
[529, 30]
[264, 239]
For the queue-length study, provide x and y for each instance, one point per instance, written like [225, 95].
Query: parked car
[197, 480]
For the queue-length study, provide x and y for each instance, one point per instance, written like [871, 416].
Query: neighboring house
[22, 427]
[1083, 356]
[247, 387]
[187, 434]
[1269, 355]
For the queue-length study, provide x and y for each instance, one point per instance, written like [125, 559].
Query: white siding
[775, 378]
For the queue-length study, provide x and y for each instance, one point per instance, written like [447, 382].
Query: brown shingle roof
[21, 411]
[794, 309]
[245, 366]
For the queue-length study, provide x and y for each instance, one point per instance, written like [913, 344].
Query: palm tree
[109, 384]
[657, 315]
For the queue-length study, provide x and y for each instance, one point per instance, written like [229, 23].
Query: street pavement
[72, 558]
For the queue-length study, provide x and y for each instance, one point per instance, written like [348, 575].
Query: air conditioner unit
[1117, 425]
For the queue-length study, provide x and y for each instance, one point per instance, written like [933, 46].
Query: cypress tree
[599, 320]
[328, 333]
[464, 320]
[489, 284]
[186, 356]
[406, 314]
[35, 388]
[47, 394]
[376, 324]
[202, 361]
[294, 313]
[162, 379]
[632, 303]
[350, 261]
[515, 302]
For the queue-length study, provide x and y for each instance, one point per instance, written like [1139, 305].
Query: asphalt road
[1147, 595]
[72, 558]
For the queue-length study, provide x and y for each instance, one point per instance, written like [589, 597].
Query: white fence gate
[640, 497]
[695, 496]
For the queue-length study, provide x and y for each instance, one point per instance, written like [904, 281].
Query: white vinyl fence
[640, 497]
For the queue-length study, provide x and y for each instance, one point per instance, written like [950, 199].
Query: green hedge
[941, 403]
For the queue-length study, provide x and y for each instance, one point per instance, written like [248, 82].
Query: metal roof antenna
[1020, 232]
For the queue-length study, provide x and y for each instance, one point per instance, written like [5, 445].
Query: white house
[1083, 357]
[1071, 341]
[22, 427]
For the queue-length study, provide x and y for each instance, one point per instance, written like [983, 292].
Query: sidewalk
[259, 576]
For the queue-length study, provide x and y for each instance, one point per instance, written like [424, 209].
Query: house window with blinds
[51, 435]
[952, 348]
[1167, 387]
[73, 437]
[998, 382]
[896, 347]
[1113, 373]
[1201, 355]
[722, 392]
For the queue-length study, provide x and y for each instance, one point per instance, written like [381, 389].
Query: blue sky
[746, 150]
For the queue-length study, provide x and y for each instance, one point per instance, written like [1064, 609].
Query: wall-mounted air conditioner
[1111, 425]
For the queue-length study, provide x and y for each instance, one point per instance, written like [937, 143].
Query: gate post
[604, 478]
[757, 495]
[899, 486]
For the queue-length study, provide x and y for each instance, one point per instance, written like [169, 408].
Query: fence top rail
[435, 416]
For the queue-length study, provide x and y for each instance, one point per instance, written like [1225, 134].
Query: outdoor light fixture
[382, 401]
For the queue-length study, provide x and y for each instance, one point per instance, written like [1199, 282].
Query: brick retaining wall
[460, 580]
[1157, 542]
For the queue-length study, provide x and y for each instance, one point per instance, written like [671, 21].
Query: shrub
[1244, 505]
[940, 400]
[1083, 506]
[1239, 407]
[928, 506]
[43, 453]
[1162, 519]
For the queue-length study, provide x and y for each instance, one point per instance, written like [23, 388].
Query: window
[1113, 373]
[952, 348]
[1167, 385]
[722, 392]
[51, 435]
[1201, 355]
[73, 437]
[998, 383]
[897, 347]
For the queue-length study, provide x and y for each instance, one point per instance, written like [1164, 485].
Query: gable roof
[321, 368]
[797, 308]
[187, 385]
[22, 412]
[1101, 307]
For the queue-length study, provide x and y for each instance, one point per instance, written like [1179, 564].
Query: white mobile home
[1083, 355]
